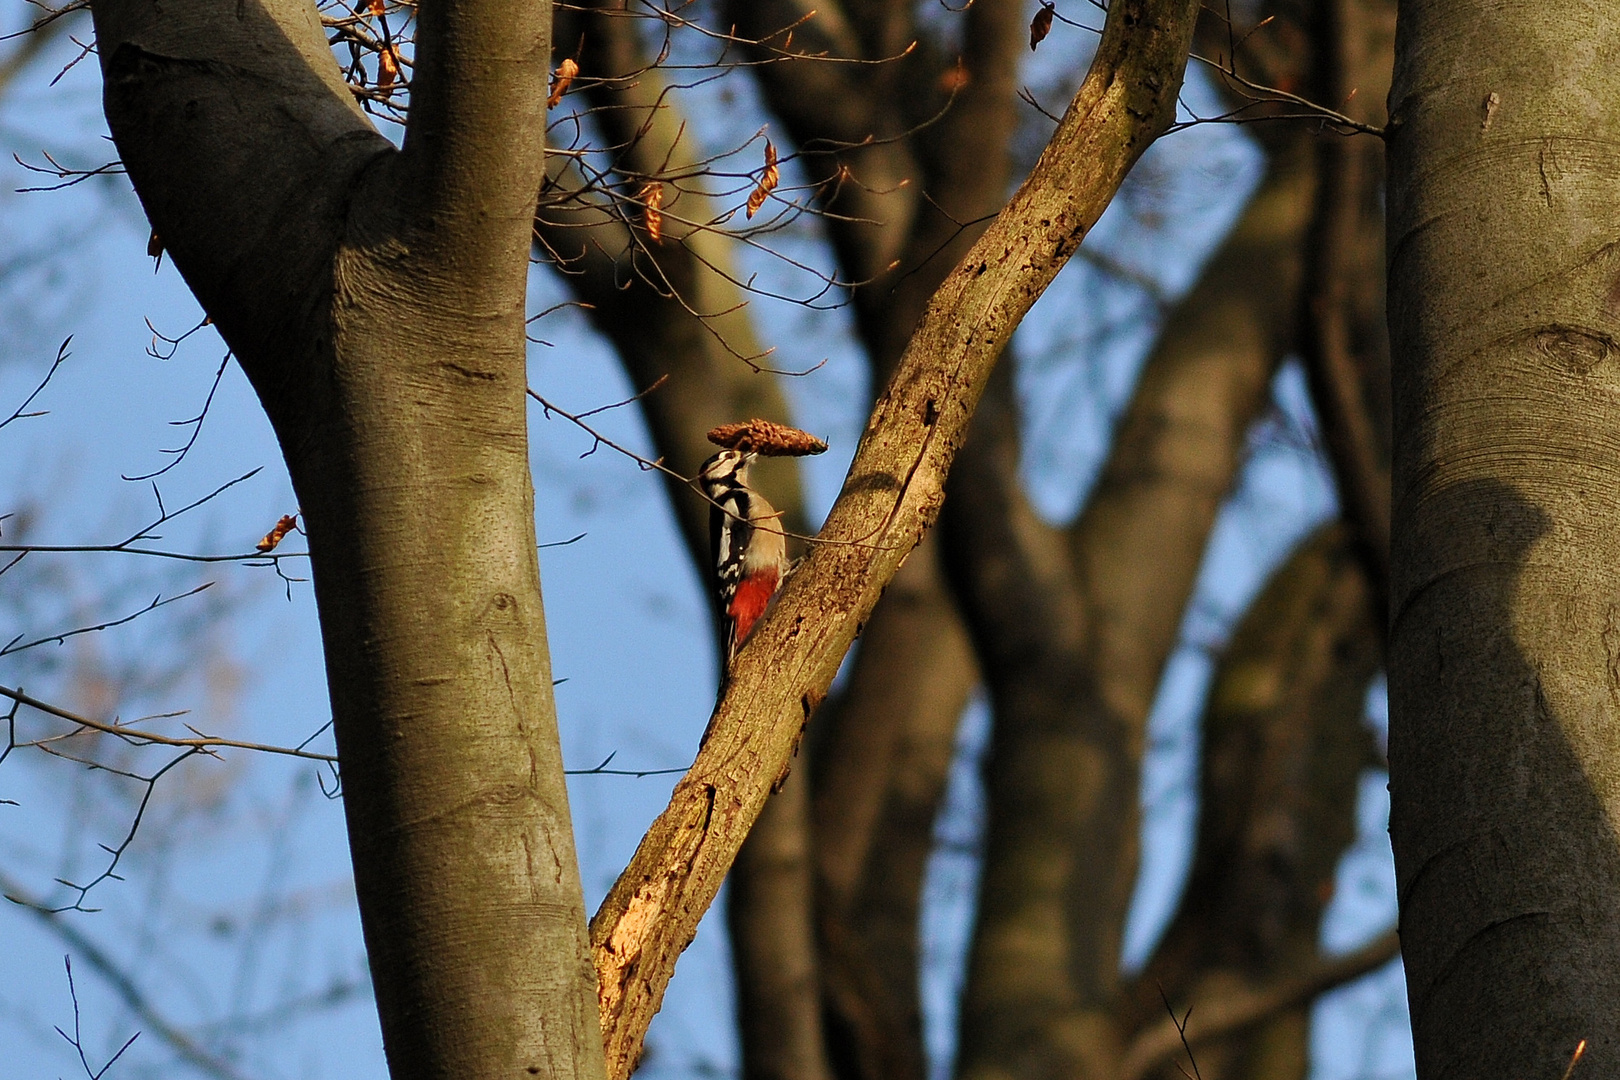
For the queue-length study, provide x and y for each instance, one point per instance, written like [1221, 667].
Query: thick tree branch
[1284, 747]
[894, 492]
[880, 760]
[1335, 343]
[1074, 628]
[475, 137]
[242, 110]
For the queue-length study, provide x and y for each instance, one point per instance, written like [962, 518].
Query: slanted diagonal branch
[893, 493]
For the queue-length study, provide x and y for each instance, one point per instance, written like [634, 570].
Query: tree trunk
[376, 300]
[1505, 643]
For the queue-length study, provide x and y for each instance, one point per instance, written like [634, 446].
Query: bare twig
[157, 602]
[76, 1040]
[137, 737]
[1259, 94]
[1234, 1010]
[178, 454]
[21, 414]
[121, 982]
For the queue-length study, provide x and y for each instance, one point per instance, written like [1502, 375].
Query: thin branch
[603, 770]
[76, 1040]
[137, 737]
[20, 414]
[178, 454]
[157, 602]
[659, 466]
[121, 982]
[1233, 1010]
[1259, 94]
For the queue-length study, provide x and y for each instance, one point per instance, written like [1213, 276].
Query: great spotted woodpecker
[746, 545]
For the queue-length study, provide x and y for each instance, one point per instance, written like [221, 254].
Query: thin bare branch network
[71, 746]
[197, 741]
[195, 423]
[1258, 95]
[76, 1040]
[16, 645]
[649, 465]
[376, 56]
[1181, 1030]
[49, 15]
[164, 347]
[68, 174]
[122, 983]
[131, 545]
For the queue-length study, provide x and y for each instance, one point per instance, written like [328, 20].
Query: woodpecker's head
[726, 470]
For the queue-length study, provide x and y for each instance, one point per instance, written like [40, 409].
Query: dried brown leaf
[387, 67]
[287, 524]
[767, 182]
[1041, 25]
[652, 217]
[559, 81]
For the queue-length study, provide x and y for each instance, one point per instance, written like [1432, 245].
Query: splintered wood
[766, 437]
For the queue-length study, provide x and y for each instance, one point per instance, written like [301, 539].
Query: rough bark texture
[1504, 694]
[376, 300]
[893, 493]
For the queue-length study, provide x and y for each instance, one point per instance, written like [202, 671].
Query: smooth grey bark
[375, 298]
[1504, 175]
